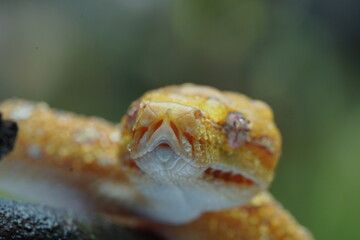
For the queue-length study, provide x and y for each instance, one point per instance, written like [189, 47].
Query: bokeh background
[301, 56]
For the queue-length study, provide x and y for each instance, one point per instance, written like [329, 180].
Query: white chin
[176, 191]
[181, 200]
[163, 162]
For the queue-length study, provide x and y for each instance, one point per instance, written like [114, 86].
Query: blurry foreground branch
[25, 221]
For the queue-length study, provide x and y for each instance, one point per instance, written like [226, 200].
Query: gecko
[185, 161]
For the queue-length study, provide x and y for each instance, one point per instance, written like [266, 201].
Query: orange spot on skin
[154, 128]
[268, 159]
[164, 145]
[189, 137]
[229, 177]
[142, 132]
[241, 179]
[132, 164]
[175, 129]
[217, 174]
[157, 125]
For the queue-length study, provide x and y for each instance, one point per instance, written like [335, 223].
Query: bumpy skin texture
[58, 138]
[92, 147]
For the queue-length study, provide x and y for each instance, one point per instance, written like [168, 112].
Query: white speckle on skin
[22, 112]
[104, 161]
[87, 135]
[34, 151]
[188, 148]
[115, 136]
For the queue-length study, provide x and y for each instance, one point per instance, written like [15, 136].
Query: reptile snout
[163, 139]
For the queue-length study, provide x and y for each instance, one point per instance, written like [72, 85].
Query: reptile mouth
[164, 160]
[210, 173]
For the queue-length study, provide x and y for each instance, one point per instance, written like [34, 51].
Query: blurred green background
[301, 56]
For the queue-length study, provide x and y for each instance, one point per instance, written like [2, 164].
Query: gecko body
[188, 161]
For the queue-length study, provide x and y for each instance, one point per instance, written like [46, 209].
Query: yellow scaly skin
[234, 145]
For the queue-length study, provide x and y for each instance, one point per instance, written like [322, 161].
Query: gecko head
[167, 140]
[215, 150]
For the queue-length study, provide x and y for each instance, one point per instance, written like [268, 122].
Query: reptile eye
[236, 129]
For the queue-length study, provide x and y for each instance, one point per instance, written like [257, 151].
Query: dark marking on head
[236, 129]
[8, 133]
[198, 114]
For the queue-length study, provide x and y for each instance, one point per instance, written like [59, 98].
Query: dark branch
[25, 221]
[8, 132]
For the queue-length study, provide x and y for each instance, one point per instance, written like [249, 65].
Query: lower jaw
[181, 199]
